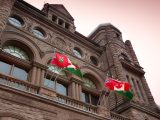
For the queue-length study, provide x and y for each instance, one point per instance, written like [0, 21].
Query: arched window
[12, 68]
[77, 52]
[38, 32]
[86, 95]
[88, 83]
[16, 21]
[50, 81]
[16, 51]
[55, 69]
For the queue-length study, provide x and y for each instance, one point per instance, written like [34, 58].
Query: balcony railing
[77, 104]
[27, 87]
[115, 116]
[18, 84]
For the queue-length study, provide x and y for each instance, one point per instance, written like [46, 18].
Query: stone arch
[15, 116]
[98, 79]
[14, 36]
[47, 57]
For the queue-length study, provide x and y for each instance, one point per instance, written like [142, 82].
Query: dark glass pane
[4, 67]
[20, 73]
[49, 83]
[94, 100]
[61, 89]
[85, 97]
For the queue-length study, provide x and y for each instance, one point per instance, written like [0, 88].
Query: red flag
[120, 87]
[113, 84]
[60, 60]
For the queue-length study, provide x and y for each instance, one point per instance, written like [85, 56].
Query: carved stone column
[5, 11]
[38, 73]
[76, 87]
[33, 77]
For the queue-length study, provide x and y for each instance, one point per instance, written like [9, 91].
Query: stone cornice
[36, 64]
[132, 67]
[129, 105]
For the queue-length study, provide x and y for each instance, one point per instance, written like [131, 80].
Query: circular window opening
[38, 32]
[94, 60]
[16, 21]
[77, 52]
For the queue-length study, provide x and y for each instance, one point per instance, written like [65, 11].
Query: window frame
[39, 33]
[16, 21]
[11, 70]
[56, 82]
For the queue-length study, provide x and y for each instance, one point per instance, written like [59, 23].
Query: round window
[39, 33]
[94, 60]
[16, 21]
[77, 52]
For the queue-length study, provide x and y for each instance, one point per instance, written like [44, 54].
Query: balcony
[18, 84]
[55, 98]
[9, 81]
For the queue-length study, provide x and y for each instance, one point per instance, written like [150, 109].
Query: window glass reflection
[88, 83]
[77, 53]
[5, 68]
[15, 51]
[49, 83]
[15, 21]
[56, 69]
[20, 73]
[38, 33]
[61, 89]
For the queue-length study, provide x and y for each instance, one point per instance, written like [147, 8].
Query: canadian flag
[113, 84]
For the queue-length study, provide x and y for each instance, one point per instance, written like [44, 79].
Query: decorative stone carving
[60, 43]
[43, 46]
[27, 22]
[69, 47]
[87, 56]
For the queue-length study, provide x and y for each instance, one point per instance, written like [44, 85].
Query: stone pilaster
[76, 87]
[33, 77]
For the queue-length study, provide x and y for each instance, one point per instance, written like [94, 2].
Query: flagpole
[99, 97]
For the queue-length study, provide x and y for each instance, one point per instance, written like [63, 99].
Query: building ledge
[131, 66]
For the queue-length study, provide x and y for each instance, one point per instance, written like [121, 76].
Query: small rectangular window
[67, 25]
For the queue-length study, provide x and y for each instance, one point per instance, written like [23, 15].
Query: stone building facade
[33, 89]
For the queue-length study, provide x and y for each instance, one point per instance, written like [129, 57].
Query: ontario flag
[120, 87]
[60, 60]
[74, 69]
